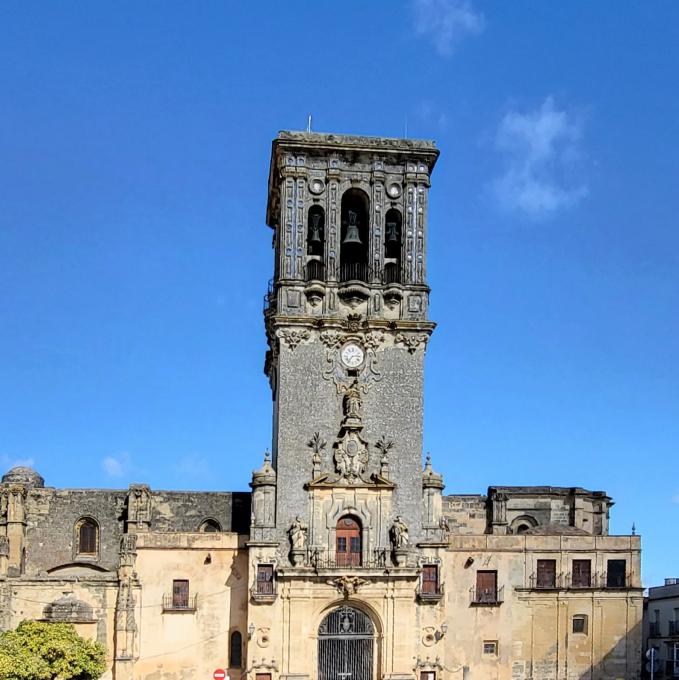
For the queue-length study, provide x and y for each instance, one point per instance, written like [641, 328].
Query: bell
[392, 232]
[352, 235]
[315, 235]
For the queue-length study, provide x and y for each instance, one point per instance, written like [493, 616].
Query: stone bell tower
[347, 325]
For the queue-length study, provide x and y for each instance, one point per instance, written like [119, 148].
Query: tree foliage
[49, 651]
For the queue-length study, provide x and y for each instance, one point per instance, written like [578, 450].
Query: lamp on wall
[441, 631]
[251, 631]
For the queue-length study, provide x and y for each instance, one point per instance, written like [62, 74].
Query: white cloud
[116, 466]
[542, 149]
[446, 22]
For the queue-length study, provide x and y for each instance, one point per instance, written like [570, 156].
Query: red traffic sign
[219, 674]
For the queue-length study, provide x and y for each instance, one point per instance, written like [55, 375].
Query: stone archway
[346, 645]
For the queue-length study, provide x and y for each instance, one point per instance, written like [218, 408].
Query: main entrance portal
[346, 639]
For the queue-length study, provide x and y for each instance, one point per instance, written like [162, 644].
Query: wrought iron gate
[346, 640]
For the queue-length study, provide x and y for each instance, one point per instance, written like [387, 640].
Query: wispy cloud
[446, 22]
[431, 115]
[542, 151]
[116, 466]
[8, 462]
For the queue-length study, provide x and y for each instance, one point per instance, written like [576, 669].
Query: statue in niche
[298, 534]
[399, 534]
[352, 405]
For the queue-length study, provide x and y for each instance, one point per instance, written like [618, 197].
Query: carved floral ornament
[292, 337]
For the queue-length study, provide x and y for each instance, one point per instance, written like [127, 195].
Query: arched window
[87, 531]
[236, 650]
[392, 246]
[315, 230]
[355, 233]
[209, 526]
[348, 544]
[522, 523]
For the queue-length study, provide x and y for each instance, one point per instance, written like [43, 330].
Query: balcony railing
[566, 582]
[354, 271]
[430, 591]
[314, 270]
[378, 559]
[487, 596]
[179, 604]
[263, 591]
[674, 628]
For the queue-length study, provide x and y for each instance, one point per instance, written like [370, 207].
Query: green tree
[49, 651]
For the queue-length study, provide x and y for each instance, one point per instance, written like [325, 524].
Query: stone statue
[399, 534]
[353, 403]
[298, 534]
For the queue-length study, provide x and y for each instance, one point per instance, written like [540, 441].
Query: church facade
[346, 560]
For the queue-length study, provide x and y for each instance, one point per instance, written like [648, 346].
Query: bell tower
[347, 324]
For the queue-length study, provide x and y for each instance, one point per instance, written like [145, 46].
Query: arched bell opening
[315, 270]
[355, 230]
[393, 223]
[346, 645]
[348, 542]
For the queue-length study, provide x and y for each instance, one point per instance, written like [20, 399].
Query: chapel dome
[22, 474]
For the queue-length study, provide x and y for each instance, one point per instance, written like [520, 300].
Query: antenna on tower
[405, 127]
[308, 124]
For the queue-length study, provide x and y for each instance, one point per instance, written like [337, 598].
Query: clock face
[352, 355]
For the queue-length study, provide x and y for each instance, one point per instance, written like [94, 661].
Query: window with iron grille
[264, 579]
[430, 579]
[546, 574]
[490, 647]
[615, 573]
[87, 537]
[582, 573]
[180, 594]
[580, 624]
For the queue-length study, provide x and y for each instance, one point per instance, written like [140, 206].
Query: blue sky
[134, 149]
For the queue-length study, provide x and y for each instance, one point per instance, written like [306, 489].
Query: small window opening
[522, 528]
[546, 574]
[582, 573]
[615, 574]
[430, 579]
[316, 231]
[87, 537]
[428, 675]
[392, 246]
[580, 624]
[490, 647]
[486, 587]
[236, 650]
[209, 526]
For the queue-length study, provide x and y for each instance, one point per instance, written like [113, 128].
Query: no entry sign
[219, 674]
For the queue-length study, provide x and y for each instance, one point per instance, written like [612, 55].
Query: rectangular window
[355, 544]
[341, 544]
[580, 624]
[262, 676]
[180, 594]
[430, 579]
[265, 579]
[490, 647]
[486, 586]
[546, 574]
[615, 574]
[582, 573]
[428, 675]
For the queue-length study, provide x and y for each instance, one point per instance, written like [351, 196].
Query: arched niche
[355, 233]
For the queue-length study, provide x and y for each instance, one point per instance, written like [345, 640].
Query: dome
[23, 475]
[266, 475]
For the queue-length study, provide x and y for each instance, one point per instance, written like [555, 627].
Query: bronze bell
[352, 235]
[392, 232]
[315, 235]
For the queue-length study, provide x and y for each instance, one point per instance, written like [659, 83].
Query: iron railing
[546, 581]
[263, 591]
[378, 559]
[488, 596]
[597, 581]
[179, 604]
[430, 591]
[354, 271]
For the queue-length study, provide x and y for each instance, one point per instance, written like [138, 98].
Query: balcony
[546, 582]
[354, 271]
[263, 592]
[179, 604]
[488, 597]
[430, 592]
[376, 560]
[603, 580]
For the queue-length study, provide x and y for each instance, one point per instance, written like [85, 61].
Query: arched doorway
[348, 544]
[346, 641]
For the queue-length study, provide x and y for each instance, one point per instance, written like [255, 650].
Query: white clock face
[352, 355]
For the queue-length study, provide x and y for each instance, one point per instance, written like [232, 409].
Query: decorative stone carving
[353, 322]
[68, 609]
[411, 341]
[298, 534]
[352, 405]
[332, 339]
[351, 457]
[139, 507]
[293, 336]
[317, 444]
[384, 445]
[128, 550]
[4, 546]
[348, 585]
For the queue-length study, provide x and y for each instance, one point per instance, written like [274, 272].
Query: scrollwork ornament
[293, 337]
[411, 342]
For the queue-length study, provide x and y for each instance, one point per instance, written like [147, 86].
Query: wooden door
[546, 576]
[486, 586]
[582, 573]
[348, 543]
